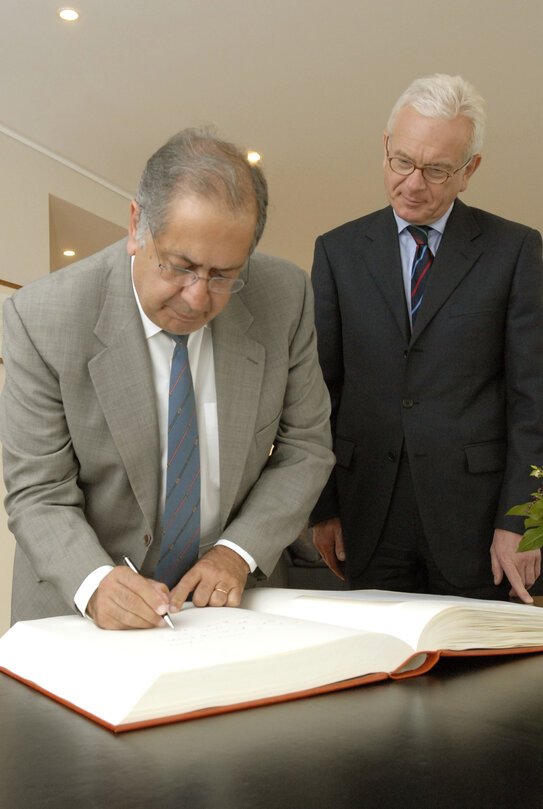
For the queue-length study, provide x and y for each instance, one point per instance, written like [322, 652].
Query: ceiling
[307, 83]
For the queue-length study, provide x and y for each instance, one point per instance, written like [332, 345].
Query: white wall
[28, 177]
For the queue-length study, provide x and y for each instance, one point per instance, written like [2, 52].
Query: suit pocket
[474, 307]
[266, 435]
[343, 451]
[485, 457]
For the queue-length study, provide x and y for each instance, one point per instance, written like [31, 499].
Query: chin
[177, 324]
[413, 215]
[184, 327]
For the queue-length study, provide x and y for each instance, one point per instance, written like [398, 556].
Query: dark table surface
[468, 734]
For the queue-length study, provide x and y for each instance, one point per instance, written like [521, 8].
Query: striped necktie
[181, 519]
[422, 262]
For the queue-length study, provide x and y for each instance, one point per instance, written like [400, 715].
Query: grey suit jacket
[463, 394]
[79, 427]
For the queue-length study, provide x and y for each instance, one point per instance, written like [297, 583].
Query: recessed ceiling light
[68, 14]
[69, 253]
[253, 157]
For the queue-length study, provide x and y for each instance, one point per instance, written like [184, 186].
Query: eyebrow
[436, 165]
[173, 256]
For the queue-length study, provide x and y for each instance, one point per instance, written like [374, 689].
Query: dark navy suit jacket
[463, 394]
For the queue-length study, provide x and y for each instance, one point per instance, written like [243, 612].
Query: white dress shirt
[408, 247]
[200, 351]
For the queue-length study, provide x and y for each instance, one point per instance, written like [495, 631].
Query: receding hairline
[196, 162]
[218, 198]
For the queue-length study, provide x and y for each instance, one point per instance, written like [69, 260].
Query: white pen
[128, 562]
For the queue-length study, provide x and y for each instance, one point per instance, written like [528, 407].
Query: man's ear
[133, 221]
[385, 138]
[470, 170]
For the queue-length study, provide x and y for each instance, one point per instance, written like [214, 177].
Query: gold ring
[221, 590]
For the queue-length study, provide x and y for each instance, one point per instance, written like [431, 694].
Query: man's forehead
[215, 197]
[444, 136]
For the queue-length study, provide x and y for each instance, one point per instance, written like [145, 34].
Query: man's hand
[328, 540]
[216, 580]
[522, 569]
[126, 600]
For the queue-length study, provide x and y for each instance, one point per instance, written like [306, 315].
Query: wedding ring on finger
[220, 590]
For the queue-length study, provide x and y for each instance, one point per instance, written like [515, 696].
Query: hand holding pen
[123, 600]
[134, 569]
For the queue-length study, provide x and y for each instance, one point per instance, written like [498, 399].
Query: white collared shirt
[408, 247]
[200, 350]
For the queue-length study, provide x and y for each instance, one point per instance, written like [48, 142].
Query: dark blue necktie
[181, 519]
[421, 264]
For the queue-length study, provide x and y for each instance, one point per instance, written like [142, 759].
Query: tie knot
[419, 233]
[180, 339]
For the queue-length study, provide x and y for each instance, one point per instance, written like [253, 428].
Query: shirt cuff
[89, 586]
[244, 555]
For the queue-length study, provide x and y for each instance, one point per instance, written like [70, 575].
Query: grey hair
[445, 97]
[195, 161]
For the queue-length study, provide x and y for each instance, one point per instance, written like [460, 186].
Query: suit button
[391, 456]
[147, 540]
[408, 402]
[406, 353]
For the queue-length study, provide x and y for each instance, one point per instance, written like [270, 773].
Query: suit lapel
[381, 254]
[239, 367]
[122, 379]
[456, 256]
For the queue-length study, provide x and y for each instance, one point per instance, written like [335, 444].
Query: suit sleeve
[277, 505]
[330, 350]
[44, 501]
[523, 380]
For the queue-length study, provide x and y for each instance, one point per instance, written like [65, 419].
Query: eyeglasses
[432, 174]
[183, 277]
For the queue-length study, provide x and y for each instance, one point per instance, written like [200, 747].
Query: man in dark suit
[431, 343]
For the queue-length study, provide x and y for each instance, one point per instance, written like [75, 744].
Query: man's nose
[196, 294]
[415, 180]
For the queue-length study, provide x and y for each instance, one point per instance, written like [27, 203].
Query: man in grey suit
[429, 316]
[84, 411]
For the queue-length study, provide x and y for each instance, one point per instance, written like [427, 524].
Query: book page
[401, 615]
[424, 621]
[485, 625]
[214, 657]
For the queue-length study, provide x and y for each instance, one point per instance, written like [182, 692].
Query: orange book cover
[430, 661]
[281, 645]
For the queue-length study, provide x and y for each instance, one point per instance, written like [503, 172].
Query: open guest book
[279, 645]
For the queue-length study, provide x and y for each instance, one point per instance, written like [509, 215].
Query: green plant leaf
[520, 511]
[537, 504]
[531, 540]
[529, 522]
